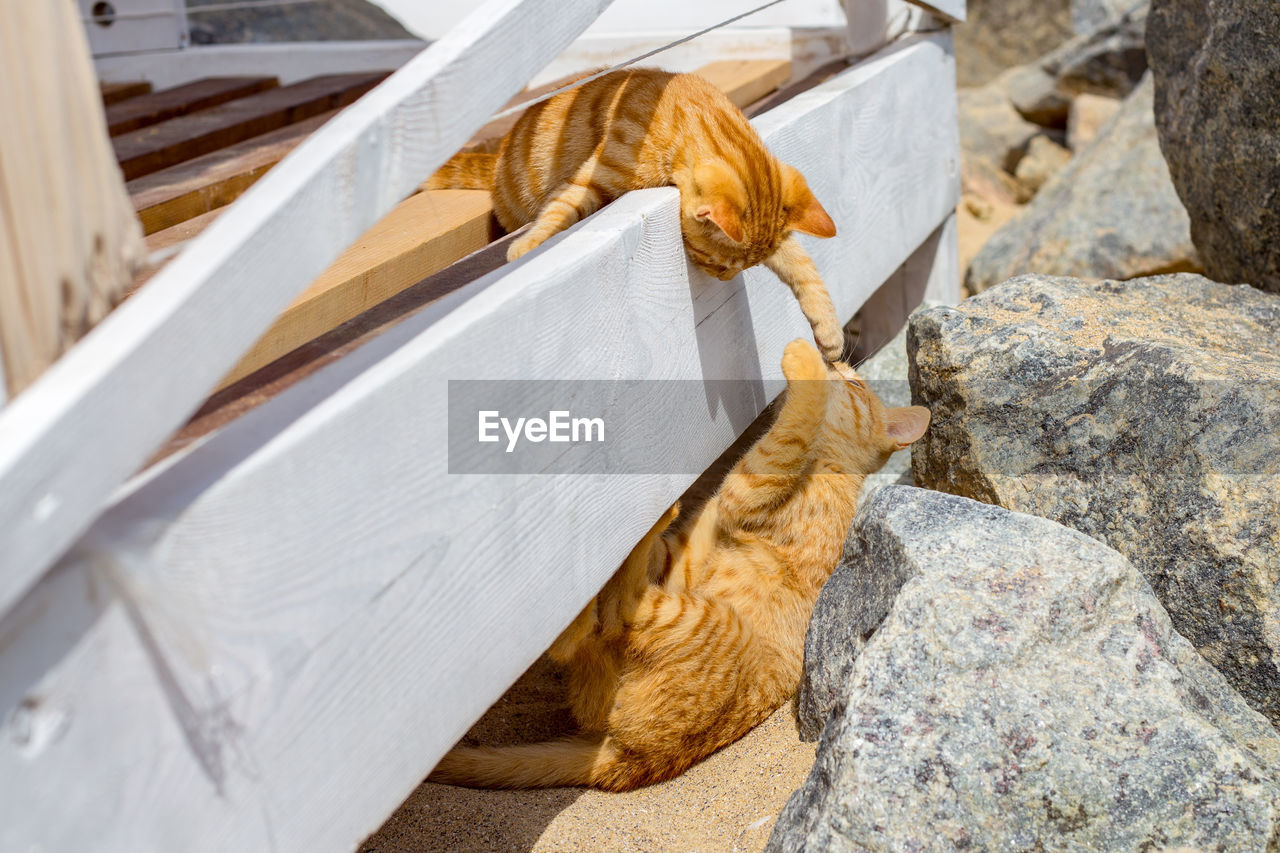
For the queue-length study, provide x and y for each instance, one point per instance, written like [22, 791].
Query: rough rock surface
[1143, 413]
[1001, 34]
[1025, 692]
[1107, 60]
[993, 138]
[1086, 118]
[1112, 212]
[1217, 70]
[320, 20]
[1044, 159]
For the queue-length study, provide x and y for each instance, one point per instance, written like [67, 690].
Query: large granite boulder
[1112, 212]
[1217, 70]
[1143, 413]
[1026, 691]
[1001, 34]
[1107, 59]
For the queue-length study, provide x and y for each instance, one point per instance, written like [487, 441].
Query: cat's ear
[724, 215]
[906, 424]
[804, 213]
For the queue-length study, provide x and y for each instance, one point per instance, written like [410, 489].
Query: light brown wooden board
[156, 107]
[114, 93]
[424, 234]
[165, 198]
[150, 149]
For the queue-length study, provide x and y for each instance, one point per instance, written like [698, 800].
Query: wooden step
[156, 107]
[114, 93]
[150, 149]
[173, 195]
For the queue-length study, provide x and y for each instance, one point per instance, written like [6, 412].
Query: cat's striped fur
[638, 128]
[699, 636]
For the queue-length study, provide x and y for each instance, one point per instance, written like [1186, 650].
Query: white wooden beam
[95, 416]
[949, 10]
[270, 639]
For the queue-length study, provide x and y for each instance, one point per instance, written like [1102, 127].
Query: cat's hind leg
[572, 201]
[621, 594]
[791, 263]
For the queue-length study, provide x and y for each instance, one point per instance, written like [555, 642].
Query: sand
[729, 802]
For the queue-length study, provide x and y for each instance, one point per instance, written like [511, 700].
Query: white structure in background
[130, 26]
[633, 17]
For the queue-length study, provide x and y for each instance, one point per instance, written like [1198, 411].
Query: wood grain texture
[163, 199]
[149, 364]
[114, 93]
[68, 242]
[420, 236]
[150, 149]
[181, 100]
[747, 80]
[328, 608]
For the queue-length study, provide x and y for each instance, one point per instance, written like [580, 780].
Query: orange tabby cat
[629, 130]
[700, 635]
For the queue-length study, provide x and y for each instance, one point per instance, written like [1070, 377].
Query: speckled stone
[1143, 413]
[1026, 692]
[1112, 212]
[1217, 71]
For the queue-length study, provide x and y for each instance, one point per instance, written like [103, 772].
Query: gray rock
[1112, 212]
[1086, 118]
[1025, 692]
[320, 20]
[1044, 159]
[993, 138]
[1002, 34]
[1217, 70]
[1088, 15]
[1107, 60]
[1142, 413]
[1034, 93]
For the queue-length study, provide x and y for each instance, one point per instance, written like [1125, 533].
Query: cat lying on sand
[700, 635]
[628, 130]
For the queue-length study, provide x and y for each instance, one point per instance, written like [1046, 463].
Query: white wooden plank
[93, 418]
[328, 608]
[806, 49]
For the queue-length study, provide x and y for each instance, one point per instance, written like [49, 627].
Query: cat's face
[869, 430]
[731, 222]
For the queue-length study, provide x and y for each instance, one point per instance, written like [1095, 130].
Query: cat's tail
[465, 171]
[589, 759]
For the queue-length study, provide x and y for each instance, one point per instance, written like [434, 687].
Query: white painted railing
[268, 640]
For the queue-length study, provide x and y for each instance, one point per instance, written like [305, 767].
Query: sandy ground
[727, 803]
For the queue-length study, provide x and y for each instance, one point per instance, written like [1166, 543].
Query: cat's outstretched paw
[522, 247]
[830, 339]
[800, 361]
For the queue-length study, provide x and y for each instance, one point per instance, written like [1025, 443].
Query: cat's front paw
[800, 361]
[522, 247]
[830, 338]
